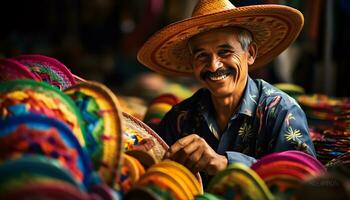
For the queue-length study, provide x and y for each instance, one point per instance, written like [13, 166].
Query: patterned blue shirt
[267, 120]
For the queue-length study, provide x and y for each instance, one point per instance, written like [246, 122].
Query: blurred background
[99, 39]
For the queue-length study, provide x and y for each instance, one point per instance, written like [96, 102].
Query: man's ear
[252, 53]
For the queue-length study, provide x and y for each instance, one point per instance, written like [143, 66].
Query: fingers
[185, 153]
[193, 152]
[194, 162]
[180, 144]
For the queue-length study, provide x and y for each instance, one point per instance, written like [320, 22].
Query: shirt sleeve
[234, 157]
[290, 131]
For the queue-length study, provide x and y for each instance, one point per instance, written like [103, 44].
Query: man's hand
[193, 152]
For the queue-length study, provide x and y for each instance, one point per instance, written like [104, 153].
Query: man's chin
[221, 93]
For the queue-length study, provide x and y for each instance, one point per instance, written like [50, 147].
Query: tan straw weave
[274, 28]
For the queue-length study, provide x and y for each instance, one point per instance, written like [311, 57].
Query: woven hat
[136, 132]
[21, 170]
[11, 70]
[238, 181]
[32, 134]
[20, 97]
[274, 28]
[48, 69]
[45, 189]
[99, 108]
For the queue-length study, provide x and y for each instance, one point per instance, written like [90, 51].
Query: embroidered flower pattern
[292, 134]
[268, 92]
[245, 131]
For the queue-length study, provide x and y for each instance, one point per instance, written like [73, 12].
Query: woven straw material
[32, 134]
[159, 148]
[21, 97]
[163, 180]
[192, 182]
[11, 70]
[274, 28]
[102, 119]
[241, 182]
[45, 189]
[48, 69]
[17, 171]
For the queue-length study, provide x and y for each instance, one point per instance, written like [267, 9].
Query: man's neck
[225, 107]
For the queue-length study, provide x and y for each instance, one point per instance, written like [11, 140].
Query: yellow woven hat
[274, 28]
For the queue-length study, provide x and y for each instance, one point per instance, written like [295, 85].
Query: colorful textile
[268, 120]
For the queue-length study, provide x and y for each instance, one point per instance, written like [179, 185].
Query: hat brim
[53, 103]
[13, 70]
[274, 28]
[48, 69]
[109, 138]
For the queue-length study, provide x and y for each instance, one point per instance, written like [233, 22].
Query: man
[233, 118]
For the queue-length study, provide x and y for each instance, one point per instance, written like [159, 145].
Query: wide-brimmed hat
[273, 27]
[100, 111]
[48, 70]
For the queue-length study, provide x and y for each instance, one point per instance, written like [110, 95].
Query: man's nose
[215, 63]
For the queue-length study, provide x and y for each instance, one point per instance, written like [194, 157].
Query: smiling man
[233, 118]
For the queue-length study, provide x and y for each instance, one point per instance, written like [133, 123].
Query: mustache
[219, 72]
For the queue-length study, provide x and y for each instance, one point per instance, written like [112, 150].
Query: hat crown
[204, 7]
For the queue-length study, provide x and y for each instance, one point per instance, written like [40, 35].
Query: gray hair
[244, 37]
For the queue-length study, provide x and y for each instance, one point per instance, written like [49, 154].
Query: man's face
[219, 62]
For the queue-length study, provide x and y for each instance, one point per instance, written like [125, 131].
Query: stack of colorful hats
[329, 122]
[61, 133]
[239, 182]
[283, 172]
[43, 142]
[142, 143]
[158, 107]
[275, 176]
[50, 137]
[166, 180]
[37, 177]
[131, 171]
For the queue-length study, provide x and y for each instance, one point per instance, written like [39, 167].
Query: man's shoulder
[270, 95]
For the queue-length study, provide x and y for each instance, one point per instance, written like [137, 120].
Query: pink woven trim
[15, 66]
[55, 64]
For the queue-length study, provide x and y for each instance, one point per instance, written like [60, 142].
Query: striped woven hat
[48, 70]
[274, 28]
[100, 111]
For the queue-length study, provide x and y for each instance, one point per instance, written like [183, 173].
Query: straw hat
[274, 28]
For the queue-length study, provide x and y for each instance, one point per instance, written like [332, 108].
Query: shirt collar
[250, 98]
[248, 104]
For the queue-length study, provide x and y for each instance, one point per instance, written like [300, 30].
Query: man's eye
[201, 56]
[224, 52]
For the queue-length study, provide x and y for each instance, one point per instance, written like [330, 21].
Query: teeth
[217, 78]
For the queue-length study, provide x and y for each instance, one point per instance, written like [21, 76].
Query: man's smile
[218, 75]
